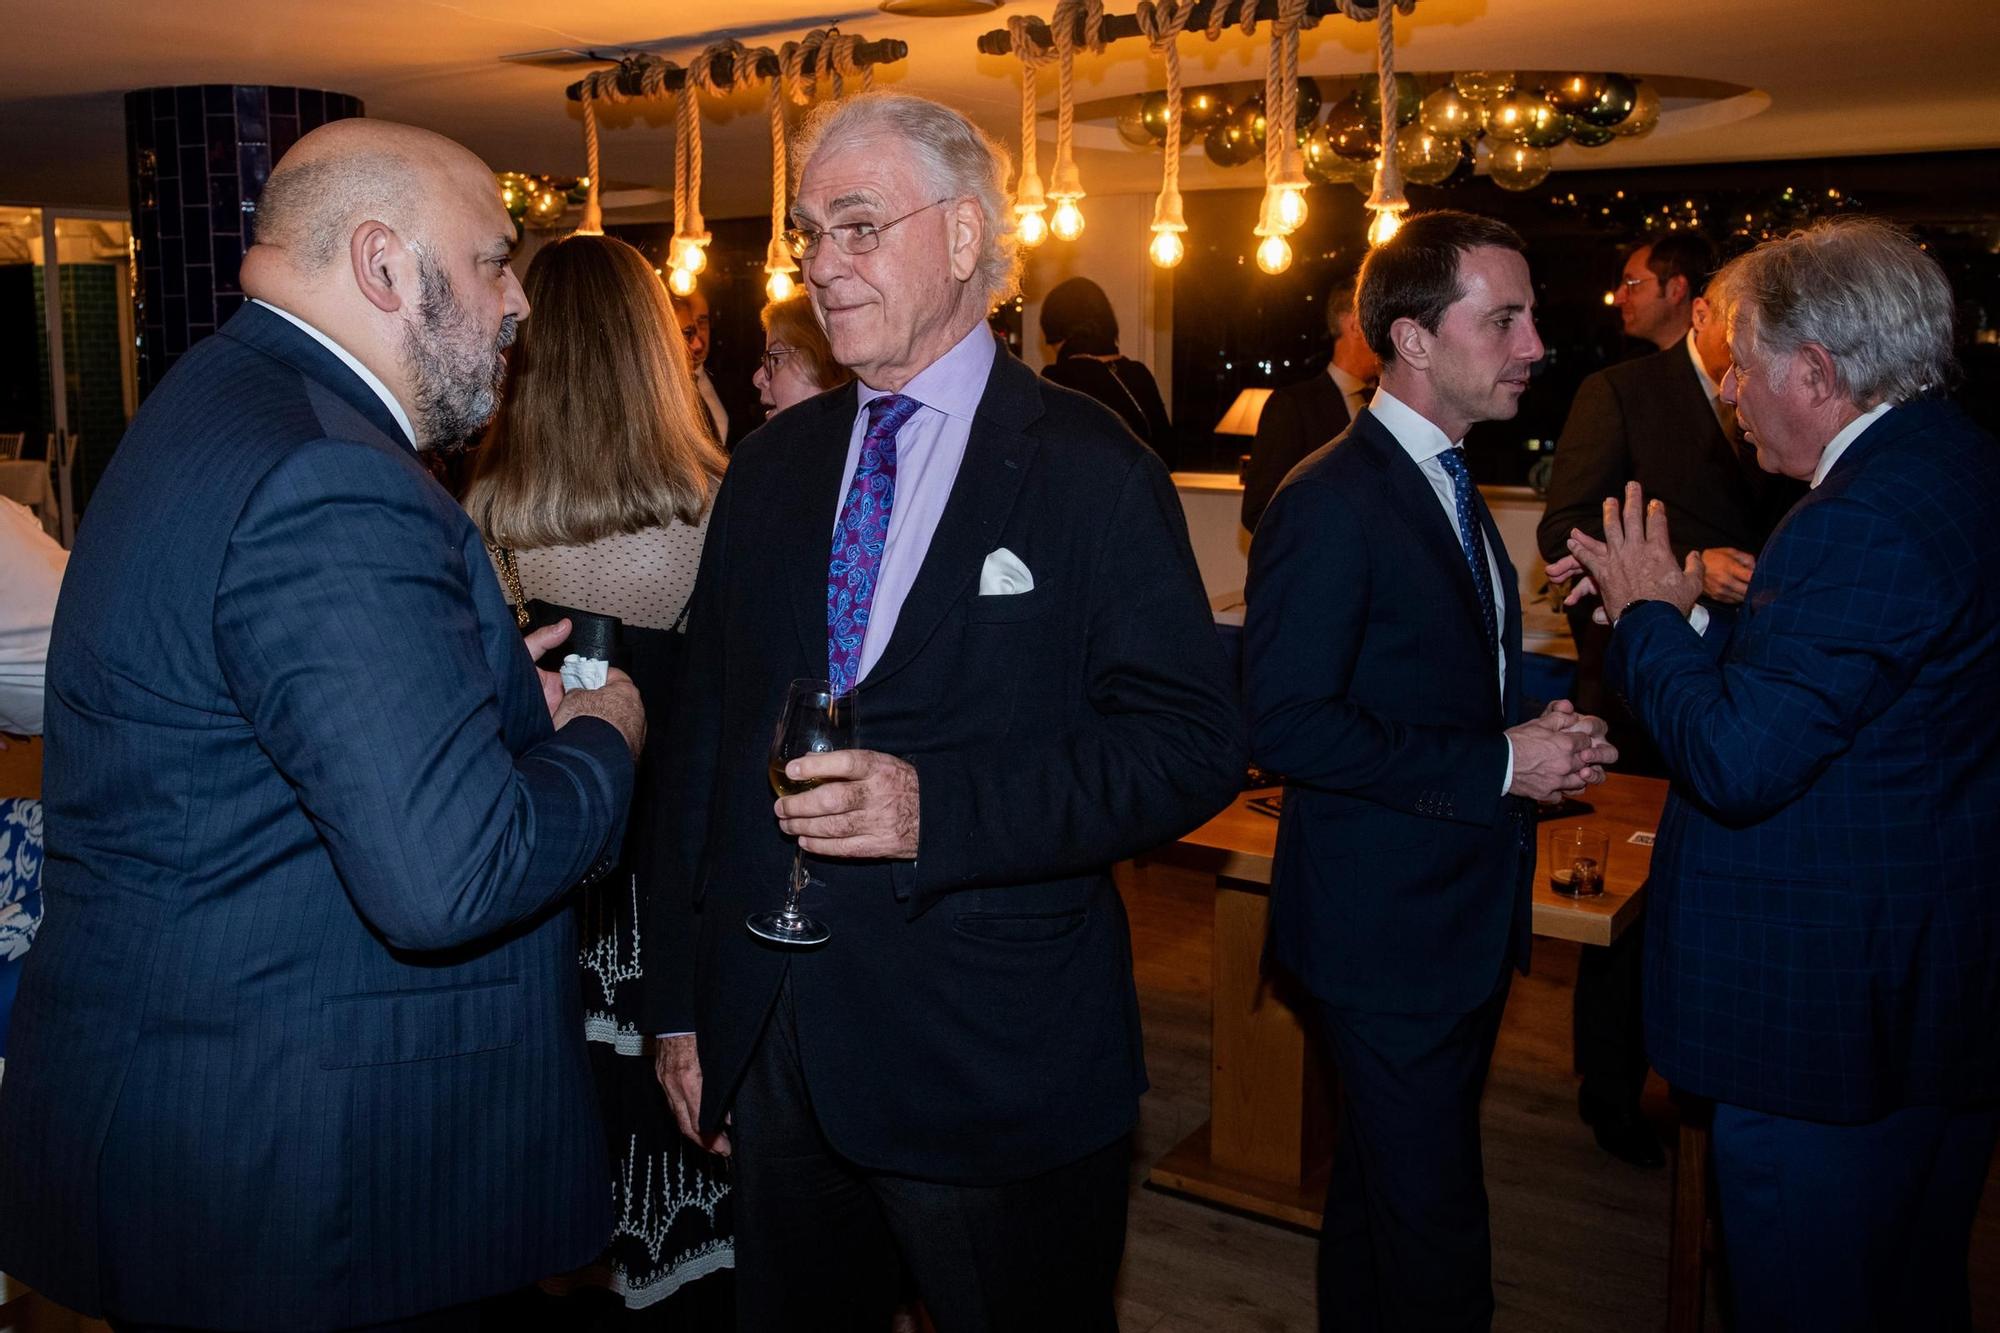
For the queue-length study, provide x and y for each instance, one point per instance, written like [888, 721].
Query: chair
[10, 444]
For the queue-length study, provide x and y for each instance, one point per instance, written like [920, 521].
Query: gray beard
[455, 377]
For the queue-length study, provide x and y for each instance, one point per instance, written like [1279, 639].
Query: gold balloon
[1153, 110]
[1426, 158]
[1576, 93]
[515, 190]
[1202, 108]
[1132, 124]
[545, 206]
[1645, 114]
[1487, 86]
[1450, 114]
[1354, 133]
[1518, 166]
[1324, 166]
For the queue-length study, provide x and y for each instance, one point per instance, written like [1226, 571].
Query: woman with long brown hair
[593, 489]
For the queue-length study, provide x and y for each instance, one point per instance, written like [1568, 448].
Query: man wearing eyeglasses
[1001, 574]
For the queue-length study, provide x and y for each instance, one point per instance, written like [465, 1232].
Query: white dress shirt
[1424, 443]
[347, 358]
[1849, 433]
[34, 565]
[1714, 390]
[706, 388]
[1353, 391]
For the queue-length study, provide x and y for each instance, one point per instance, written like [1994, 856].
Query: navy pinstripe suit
[300, 1045]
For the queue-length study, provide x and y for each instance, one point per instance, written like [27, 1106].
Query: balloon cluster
[1487, 118]
[540, 201]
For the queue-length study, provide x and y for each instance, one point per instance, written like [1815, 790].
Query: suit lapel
[278, 337]
[1410, 492]
[809, 507]
[997, 455]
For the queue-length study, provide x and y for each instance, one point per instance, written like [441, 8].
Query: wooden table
[1268, 1142]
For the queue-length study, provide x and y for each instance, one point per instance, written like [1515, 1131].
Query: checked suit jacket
[1825, 895]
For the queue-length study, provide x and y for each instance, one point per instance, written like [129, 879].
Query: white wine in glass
[815, 721]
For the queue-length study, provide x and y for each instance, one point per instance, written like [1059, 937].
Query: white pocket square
[1003, 575]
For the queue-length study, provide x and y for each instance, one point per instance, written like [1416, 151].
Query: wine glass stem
[797, 885]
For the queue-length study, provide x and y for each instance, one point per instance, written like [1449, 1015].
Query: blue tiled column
[196, 159]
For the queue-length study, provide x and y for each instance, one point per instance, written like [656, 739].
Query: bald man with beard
[299, 1045]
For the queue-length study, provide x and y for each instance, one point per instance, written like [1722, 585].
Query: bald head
[392, 242]
[353, 171]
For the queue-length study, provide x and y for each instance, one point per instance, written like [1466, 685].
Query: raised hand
[1635, 561]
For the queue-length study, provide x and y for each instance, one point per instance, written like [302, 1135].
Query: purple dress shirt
[929, 449]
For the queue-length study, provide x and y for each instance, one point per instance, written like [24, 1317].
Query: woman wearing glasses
[593, 489]
[798, 362]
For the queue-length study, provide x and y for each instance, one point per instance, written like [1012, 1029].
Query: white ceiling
[1842, 76]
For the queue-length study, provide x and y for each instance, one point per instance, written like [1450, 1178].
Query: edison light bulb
[1033, 228]
[1387, 222]
[1167, 248]
[680, 282]
[779, 286]
[693, 258]
[1067, 224]
[1291, 208]
[1274, 256]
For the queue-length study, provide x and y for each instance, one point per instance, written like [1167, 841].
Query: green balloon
[1228, 144]
[1309, 102]
[1426, 158]
[1645, 114]
[1589, 136]
[1614, 102]
[1409, 98]
[1249, 118]
[1547, 127]
[1154, 113]
[1487, 86]
[1450, 114]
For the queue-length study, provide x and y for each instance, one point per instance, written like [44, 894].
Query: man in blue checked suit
[299, 1046]
[1825, 955]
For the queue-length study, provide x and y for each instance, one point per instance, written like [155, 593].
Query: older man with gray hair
[1825, 951]
[999, 573]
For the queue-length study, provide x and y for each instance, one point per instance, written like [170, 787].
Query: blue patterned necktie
[859, 537]
[1472, 541]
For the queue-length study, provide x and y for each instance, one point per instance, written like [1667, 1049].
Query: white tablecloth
[27, 481]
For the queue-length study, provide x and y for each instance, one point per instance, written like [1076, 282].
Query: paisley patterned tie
[857, 541]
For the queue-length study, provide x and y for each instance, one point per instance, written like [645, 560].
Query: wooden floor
[1579, 1238]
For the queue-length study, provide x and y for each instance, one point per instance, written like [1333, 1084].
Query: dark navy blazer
[1402, 876]
[973, 1018]
[300, 1044]
[1825, 896]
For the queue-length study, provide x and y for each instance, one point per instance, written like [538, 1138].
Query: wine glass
[815, 721]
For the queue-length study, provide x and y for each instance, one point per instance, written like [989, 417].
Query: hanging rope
[1028, 195]
[1163, 23]
[778, 262]
[593, 213]
[1388, 193]
[842, 50]
[1067, 183]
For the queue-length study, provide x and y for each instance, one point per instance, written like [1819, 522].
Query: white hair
[1858, 287]
[956, 159]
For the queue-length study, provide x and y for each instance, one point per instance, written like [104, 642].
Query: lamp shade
[1241, 418]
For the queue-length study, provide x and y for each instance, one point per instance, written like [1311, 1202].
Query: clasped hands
[1560, 752]
[616, 701]
[864, 807]
[1635, 561]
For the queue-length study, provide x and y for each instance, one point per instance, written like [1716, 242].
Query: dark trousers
[1608, 1021]
[818, 1238]
[1851, 1228]
[1405, 1245]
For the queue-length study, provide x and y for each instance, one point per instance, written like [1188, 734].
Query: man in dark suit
[1658, 420]
[1299, 418]
[300, 1046]
[955, 1074]
[1825, 952]
[1656, 293]
[1382, 676]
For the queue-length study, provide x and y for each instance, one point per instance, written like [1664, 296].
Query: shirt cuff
[662, 1036]
[1698, 618]
[1508, 783]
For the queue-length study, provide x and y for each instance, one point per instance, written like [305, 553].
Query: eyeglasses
[1629, 283]
[850, 238]
[772, 359]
